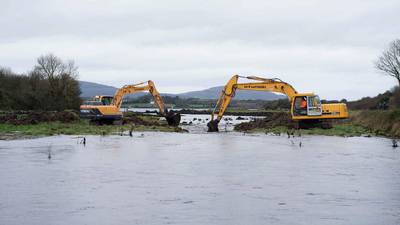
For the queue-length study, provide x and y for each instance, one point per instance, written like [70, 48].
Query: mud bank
[25, 125]
[35, 117]
[380, 122]
[360, 123]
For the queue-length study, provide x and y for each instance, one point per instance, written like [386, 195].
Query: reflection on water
[225, 178]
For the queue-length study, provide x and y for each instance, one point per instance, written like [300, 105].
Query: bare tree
[61, 77]
[389, 62]
[51, 85]
[51, 67]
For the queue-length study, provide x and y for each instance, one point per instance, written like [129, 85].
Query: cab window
[300, 105]
[106, 100]
[313, 101]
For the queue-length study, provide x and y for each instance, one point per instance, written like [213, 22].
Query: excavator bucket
[213, 126]
[173, 119]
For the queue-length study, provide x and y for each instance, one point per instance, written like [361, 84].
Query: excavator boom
[128, 89]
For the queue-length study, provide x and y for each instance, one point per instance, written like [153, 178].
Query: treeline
[199, 103]
[280, 104]
[176, 101]
[51, 85]
[388, 100]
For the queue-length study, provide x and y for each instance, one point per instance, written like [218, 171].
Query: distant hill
[90, 89]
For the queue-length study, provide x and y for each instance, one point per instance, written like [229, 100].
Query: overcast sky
[326, 47]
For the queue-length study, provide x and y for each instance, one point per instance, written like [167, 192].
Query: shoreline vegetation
[341, 130]
[12, 132]
[367, 123]
[31, 124]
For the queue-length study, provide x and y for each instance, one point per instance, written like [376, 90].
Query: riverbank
[380, 122]
[11, 132]
[341, 130]
[22, 124]
[34, 124]
[361, 123]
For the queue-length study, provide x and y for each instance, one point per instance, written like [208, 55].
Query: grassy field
[364, 122]
[380, 122]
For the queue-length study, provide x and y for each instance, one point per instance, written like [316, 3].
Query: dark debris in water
[271, 120]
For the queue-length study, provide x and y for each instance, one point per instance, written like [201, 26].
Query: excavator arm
[173, 119]
[126, 90]
[270, 85]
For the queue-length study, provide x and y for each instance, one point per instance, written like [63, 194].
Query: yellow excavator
[306, 108]
[106, 109]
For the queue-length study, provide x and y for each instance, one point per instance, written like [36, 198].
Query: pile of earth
[271, 120]
[35, 117]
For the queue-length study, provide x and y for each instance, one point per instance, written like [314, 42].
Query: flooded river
[198, 178]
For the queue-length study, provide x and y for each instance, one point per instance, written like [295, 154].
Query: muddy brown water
[225, 178]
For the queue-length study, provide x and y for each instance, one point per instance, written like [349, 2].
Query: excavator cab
[306, 105]
[99, 110]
